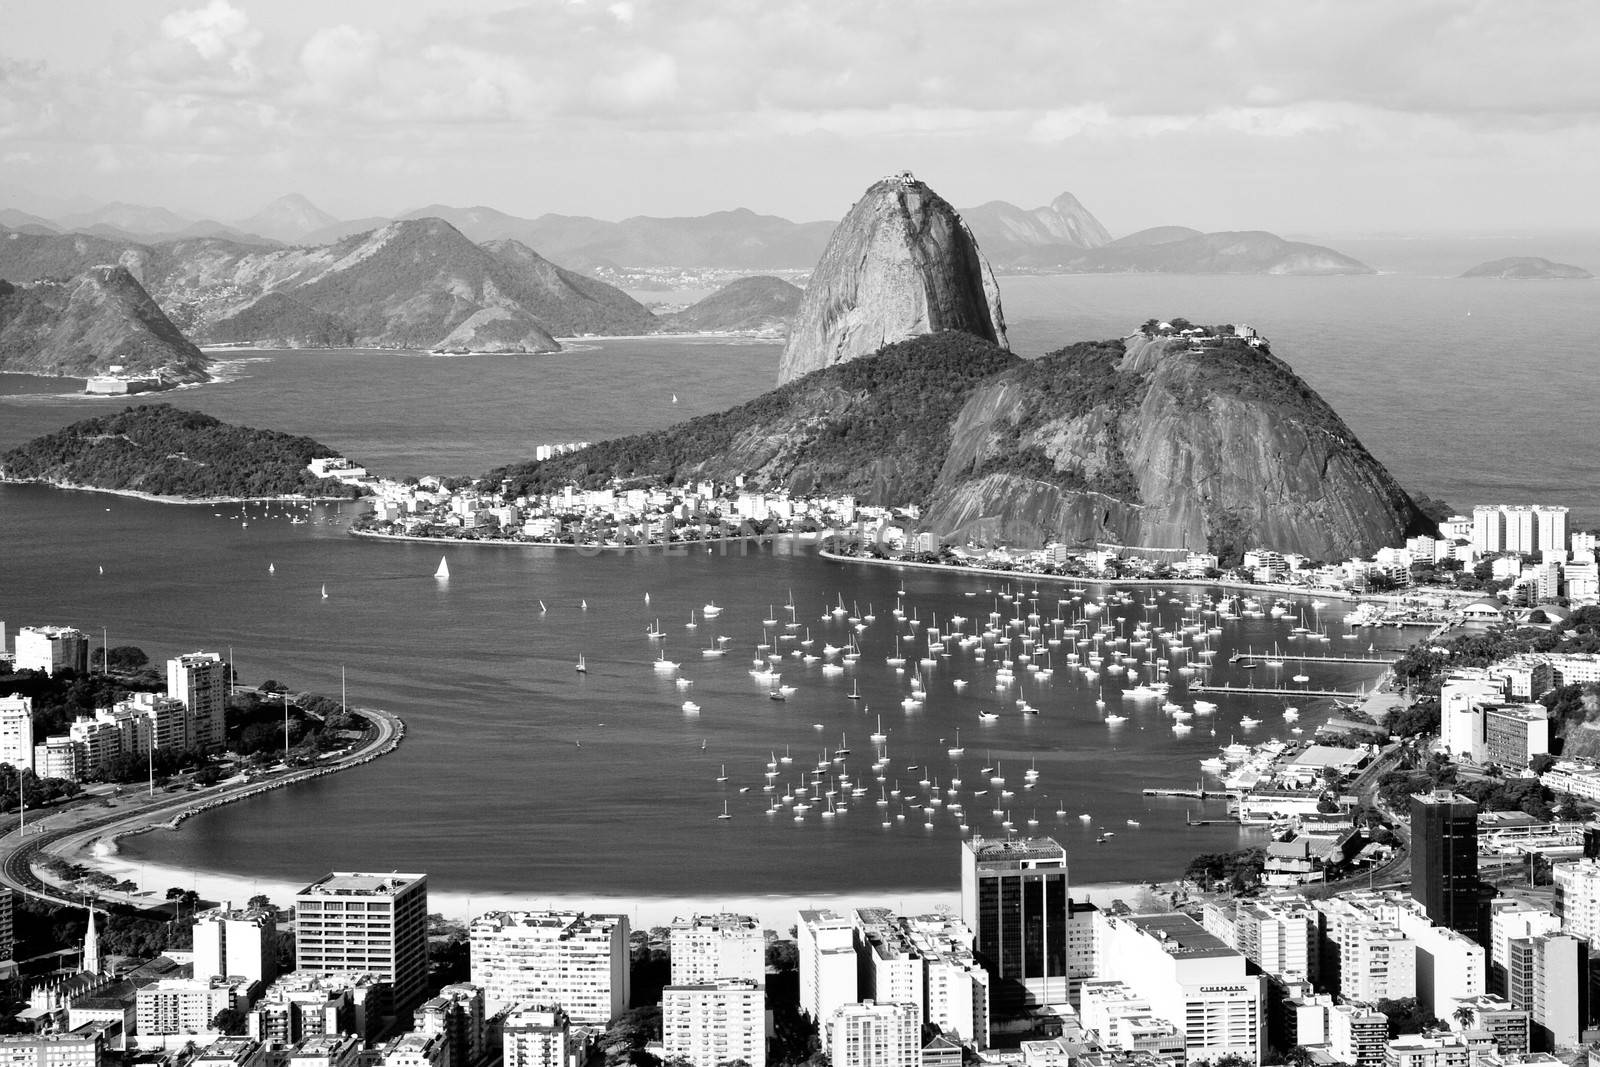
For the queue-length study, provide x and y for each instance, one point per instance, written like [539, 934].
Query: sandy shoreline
[775, 911]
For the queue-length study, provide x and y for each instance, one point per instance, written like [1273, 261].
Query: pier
[1195, 794]
[1263, 691]
[1384, 661]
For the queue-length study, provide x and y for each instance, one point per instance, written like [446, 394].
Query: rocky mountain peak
[901, 264]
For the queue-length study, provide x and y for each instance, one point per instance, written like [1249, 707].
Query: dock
[1263, 691]
[1194, 794]
[1384, 661]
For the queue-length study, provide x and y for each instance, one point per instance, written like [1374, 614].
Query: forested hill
[171, 452]
[878, 428]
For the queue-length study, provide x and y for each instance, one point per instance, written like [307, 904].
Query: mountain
[90, 322]
[1142, 442]
[1525, 268]
[752, 305]
[411, 284]
[569, 303]
[12, 219]
[1178, 250]
[877, 427]
[135, 219]
[338, 231]
[902, 263]
[1163, 443]
[1045, 236]
[288, 219]
[173, 452]
[737, 240]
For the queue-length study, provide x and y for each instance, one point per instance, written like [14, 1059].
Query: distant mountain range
[413, 284]
[1062, 236]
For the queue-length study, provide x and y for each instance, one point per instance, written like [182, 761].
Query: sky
[1346, 117]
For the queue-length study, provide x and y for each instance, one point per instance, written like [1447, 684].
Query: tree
[783, 955]
[230, 1021]
[1298, 1056]
[1463, 1015]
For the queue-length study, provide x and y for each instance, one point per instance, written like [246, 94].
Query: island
[1527, 268]
[165, 453]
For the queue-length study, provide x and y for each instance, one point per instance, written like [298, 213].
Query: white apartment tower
[200, 680]
[16, 732]
[366, 923]
[236, 943]
[536, 1035]
[713, 1022]
[1578, 898]
[574, 961]
[826, 943]
[52, 649]
[875, 1035]
[706, 948]
[1192, 980]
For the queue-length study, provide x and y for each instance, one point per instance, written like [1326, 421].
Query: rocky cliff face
[901, 264]
[90, 322]
[1222, 449]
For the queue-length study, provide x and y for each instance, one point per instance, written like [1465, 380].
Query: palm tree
[1298, 1056]
[1463, 1015]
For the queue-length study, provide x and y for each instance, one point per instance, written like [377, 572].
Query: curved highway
[69, 829]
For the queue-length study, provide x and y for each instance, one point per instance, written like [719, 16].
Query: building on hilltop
[367, 923]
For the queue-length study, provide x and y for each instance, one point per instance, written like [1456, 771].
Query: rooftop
[1016, 849]
[348, 884]
[1179, 935]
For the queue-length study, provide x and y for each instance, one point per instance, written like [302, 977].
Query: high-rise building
[892, 970]
[16, 732]
[706, 948]
[1444, 859]
[1547, 976]
[709, 1023]
[1357, 1034]
[1578, 898]
[828, 973]
[1488, 528]
[875, 1035]
[1014, 898]
[200, 680]
[236, 943]
[1279, 936]
[1551, 521]
[456, 1014]
[84, 1047]
[536, 1035]
[957, 985]
[52, 649]
[8, 941]
[1515, 733]
[1461, 697]
[366, 923]
[1192, 980]
[1510, 921]
[577, 962]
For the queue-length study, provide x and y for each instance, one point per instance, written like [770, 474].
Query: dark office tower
[1444, 859]
[1014, 899]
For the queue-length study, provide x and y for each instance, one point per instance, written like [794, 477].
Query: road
[68, 830]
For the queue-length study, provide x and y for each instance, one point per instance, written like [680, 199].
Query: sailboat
[272, 568]
[582, 667]
[324, 591]
[443, 573]
[724, 814]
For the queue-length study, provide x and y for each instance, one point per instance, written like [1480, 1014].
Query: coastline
[156, 499]
[596, 549]
[79, 835]
[1023, 576]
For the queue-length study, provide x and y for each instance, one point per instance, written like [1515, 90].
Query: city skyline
[1329, 120]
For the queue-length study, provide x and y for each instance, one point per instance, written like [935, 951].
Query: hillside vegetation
[878, 428]
[171, 452]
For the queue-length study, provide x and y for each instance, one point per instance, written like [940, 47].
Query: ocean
[520, 777]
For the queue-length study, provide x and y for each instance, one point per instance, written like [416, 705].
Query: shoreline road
[69, 830]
